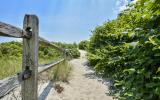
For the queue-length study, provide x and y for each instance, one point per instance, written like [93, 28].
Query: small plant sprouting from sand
[57, 74]
[61, 72]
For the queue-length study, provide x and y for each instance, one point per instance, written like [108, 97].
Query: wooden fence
[28, 78]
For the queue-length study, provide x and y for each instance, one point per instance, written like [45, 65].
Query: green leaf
[156, 78]
[152, 40]
[131, 34]
[157, 54]
[118, 83]
[151, 85]
[130, 71]
[158, 70]
[128, 94]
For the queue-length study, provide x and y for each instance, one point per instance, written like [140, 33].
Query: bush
[71, 48]
[126, 50]
[83, 45]
[11, 57]
[75, 53]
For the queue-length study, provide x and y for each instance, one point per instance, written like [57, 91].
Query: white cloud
[134, 1]
[121, 5]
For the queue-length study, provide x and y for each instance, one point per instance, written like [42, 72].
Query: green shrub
[11, 57]
[127, 51]
[74, 52]
[83, 45]
[71, 48]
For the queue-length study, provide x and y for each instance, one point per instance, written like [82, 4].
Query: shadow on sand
[91, 74]
[46, 91]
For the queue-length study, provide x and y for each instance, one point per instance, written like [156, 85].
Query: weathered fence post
[30, 58]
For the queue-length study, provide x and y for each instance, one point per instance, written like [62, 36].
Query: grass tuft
[61, 72]
[9, 66]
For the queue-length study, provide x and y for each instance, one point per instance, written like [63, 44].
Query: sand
[83, 85]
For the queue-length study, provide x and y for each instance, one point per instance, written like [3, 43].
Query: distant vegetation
[11, 56]
[70, 48]
[127, 52]
[83, 45]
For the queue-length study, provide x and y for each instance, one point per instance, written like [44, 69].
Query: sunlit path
[83, 85]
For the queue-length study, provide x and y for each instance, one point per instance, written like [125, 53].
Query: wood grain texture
[10, 83]
[45, 67]
[12, 31]
[31, 41]
[30, 58]
[47, 43]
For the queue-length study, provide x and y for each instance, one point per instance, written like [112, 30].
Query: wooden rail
[30, 69]
[10, 83]
[8, 30]
[47, 43]
[12, 31]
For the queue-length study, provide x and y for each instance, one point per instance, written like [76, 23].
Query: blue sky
[61, 20]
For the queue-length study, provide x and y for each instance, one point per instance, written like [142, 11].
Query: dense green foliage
[13, 50]
[10, 49]
[70, 48]
[74, 52]
[83, 45]
[127, 51]
[11, 56]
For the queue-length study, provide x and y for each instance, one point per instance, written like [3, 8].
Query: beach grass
[61, 72]
[11, 66]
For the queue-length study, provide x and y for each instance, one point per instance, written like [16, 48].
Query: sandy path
[82, 84]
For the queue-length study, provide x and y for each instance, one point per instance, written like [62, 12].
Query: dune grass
[11, 57]
[10, 66]
[61, 72]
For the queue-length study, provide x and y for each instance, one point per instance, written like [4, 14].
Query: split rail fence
[28, 78]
